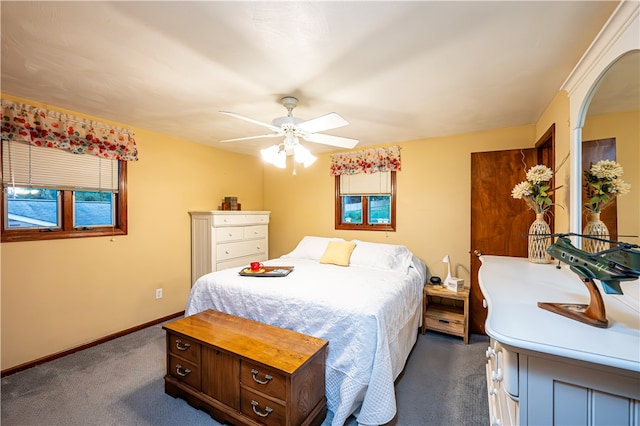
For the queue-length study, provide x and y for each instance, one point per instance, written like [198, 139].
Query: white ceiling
[396, 71]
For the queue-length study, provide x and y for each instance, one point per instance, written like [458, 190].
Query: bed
[368, 310]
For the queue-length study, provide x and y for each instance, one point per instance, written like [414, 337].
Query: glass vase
[596, 228]
[539, 240]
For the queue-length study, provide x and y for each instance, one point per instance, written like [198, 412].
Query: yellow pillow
[338, 252]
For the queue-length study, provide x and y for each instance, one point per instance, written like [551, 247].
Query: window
[366, 201]
[50, 193]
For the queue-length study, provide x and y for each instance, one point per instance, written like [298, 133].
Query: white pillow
[311, 248]
[387, 257]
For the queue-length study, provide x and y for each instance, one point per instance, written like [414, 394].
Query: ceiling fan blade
[270, 135]
[322, 123]
[251, 120]
[331, 140]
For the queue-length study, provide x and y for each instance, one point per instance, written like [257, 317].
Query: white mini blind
[25, 165]
[365, 184]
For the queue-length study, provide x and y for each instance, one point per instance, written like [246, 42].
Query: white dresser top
[512, 288]
[228, 212]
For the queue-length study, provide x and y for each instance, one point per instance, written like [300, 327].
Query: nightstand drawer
[445, 326]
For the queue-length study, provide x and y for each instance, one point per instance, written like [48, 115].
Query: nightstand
[446, 311]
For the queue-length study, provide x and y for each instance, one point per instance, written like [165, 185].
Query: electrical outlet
[158, 293]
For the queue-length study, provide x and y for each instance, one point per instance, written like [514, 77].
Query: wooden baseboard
[27, 365]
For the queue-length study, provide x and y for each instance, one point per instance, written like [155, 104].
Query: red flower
[55, 125]
[70, 130]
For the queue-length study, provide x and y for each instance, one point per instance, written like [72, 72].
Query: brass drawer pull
[267, 378]
[181, 371]
[267, 409]
[182, 347]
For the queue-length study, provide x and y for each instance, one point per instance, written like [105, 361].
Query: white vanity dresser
[546, 369]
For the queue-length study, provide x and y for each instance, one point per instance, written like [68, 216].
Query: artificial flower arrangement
[603, 184]
[535, 191]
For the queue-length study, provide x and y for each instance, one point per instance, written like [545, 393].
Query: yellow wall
[63, 293]
[54, 297]
[625, 127]
[433, 199]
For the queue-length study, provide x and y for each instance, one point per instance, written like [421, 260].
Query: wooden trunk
[245, 372]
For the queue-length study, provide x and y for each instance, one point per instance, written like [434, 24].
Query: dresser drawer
[184, 347]
[263, 379]
[240, 262]
[241, 248]
[240, 219]
[186, 372]
[261, 409]
[253, 232]
[229, 233]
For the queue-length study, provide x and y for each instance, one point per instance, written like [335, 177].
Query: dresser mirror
[610, 132]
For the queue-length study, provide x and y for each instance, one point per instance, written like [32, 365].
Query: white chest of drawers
[222, 239]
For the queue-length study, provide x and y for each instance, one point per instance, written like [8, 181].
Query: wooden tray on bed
[267, 271]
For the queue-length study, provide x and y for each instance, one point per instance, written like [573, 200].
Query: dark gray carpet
[120, 383]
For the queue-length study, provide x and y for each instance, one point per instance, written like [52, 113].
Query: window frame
[365, 226]
[67, 230]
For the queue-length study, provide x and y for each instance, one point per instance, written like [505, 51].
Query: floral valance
[366, 161]
[41, 127]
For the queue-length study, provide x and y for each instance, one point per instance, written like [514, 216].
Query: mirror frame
[618, 37]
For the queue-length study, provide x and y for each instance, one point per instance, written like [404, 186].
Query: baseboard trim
[27, 365]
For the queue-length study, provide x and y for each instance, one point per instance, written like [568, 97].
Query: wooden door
[592, 152]
[498, 221]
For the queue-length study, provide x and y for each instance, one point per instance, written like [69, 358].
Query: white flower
[606, 169]
[538, 174]
[619, 187]
[521, 190]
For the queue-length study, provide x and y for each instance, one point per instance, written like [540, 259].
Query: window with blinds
[365, 201]
[51, 193]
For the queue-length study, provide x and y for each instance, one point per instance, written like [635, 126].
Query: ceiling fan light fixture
[275, 155]
[303, 155]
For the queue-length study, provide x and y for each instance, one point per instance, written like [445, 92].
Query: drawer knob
[181, 371]
[497, 375]
[265, 413]
[254, 374]
[182, 347]
[226, 252]
[490, 353]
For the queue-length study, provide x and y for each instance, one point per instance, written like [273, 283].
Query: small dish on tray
[251, 271]
[267, 271]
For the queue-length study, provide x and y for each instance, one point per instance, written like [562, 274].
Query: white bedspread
[360, 311]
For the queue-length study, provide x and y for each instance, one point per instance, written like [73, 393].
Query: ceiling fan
[293, 128]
